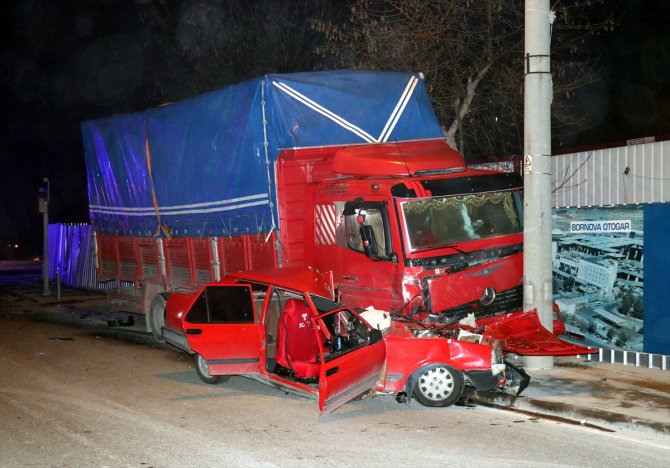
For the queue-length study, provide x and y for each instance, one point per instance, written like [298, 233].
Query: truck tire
[203, 372]
[438, 385]
[157, 317]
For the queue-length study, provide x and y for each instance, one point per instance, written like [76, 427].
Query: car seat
[297, 347]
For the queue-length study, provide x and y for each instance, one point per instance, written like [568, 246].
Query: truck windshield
[437, 221]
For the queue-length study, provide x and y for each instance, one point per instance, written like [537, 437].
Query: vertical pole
[45, 245]
[216, 264]
[537, 264]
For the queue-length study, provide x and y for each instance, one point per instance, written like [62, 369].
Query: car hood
[522, 333]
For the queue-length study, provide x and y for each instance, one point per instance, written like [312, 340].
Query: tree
[638, 308]
[626, 302]
[472, 54]
[622, 339]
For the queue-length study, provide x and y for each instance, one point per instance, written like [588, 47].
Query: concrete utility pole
[537, 287]
[44, 209]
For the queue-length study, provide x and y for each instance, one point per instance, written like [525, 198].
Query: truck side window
[373, 217]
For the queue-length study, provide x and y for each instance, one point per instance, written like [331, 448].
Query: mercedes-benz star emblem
[488, 296]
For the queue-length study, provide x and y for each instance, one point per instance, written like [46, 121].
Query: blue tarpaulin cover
[205, 166]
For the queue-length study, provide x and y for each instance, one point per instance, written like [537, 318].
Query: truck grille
[506, 301]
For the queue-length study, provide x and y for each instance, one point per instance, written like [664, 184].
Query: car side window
[223, 304]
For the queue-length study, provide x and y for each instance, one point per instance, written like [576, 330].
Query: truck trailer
[346, 172]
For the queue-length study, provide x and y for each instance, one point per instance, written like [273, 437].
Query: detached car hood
[522, 333]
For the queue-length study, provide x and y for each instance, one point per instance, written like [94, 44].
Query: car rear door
[222, 327]
[352, 357]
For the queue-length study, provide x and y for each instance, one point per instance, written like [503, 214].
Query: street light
[44, 191]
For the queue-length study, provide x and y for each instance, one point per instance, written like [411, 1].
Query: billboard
[598, 277]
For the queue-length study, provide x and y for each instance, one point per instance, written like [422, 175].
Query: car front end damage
[435, 363]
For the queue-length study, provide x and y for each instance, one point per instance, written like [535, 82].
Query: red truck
[346, 172]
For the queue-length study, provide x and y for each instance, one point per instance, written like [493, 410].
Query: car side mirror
[375, 336]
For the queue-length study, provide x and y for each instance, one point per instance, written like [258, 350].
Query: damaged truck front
[414, 229]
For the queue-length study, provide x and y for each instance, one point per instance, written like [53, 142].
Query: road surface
[73, 395]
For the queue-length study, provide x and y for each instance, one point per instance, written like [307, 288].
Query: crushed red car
[282, 327]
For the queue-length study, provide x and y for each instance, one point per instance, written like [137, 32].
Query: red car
[282, 327]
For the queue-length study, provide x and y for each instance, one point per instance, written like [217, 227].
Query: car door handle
[194, 331]
[350, 278]
[332, 371]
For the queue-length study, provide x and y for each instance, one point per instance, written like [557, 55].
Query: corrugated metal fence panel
[614, 176]
[69, 245]
[64, 244]
[71, 251]
[502, 166]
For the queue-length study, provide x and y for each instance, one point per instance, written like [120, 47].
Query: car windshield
[438, 221]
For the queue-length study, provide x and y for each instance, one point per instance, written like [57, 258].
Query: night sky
[66, 61]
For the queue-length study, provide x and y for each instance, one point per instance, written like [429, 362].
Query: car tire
[438, 385]
[157, 317]
[203, 372]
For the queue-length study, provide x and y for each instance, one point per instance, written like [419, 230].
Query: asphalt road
[73, 395]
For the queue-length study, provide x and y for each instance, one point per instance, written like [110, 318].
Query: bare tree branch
[569, 175]
[471, 52]
[464, 106]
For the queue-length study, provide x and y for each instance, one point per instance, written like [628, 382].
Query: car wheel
[157, 317]
[203, 372]
[438, 385]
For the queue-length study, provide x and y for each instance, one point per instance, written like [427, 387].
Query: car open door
[352, 357]
[222, 327]
[522, 333]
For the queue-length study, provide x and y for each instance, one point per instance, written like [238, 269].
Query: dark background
[62, 62]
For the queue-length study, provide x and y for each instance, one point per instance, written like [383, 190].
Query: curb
[603, 420]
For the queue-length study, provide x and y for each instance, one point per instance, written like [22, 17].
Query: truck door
[222, 327]
[368, 265]
[352, 358]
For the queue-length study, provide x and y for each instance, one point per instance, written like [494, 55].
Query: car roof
[304, 279]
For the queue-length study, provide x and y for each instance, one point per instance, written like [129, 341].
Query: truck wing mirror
[369, 241]
[351, 207]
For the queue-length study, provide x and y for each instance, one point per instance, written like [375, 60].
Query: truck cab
[407, 226]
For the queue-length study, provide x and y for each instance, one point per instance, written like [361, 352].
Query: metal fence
[630, 358]
[72, 256]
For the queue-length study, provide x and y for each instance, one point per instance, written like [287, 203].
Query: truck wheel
[203, 372]
[157, 317]
[438, 385]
